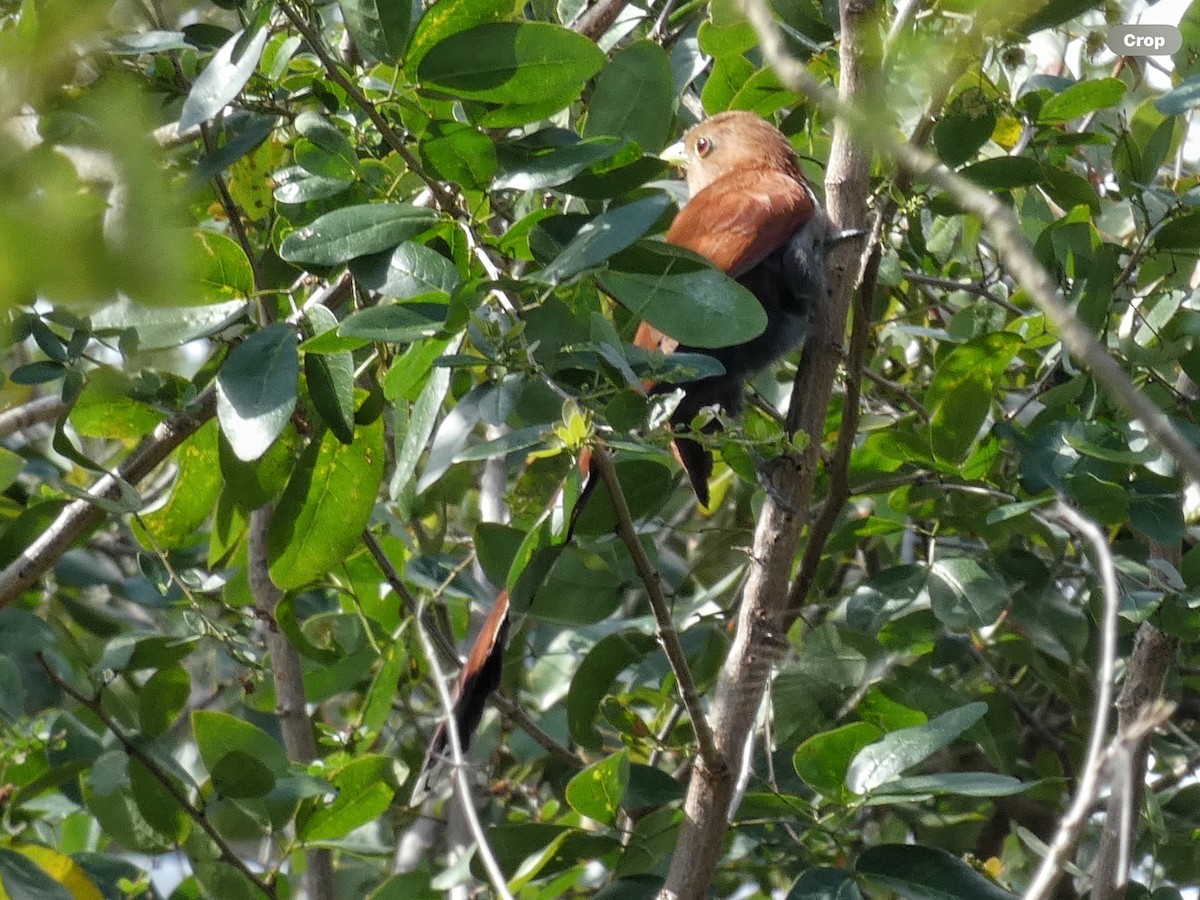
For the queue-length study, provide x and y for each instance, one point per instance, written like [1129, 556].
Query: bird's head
[730, 142]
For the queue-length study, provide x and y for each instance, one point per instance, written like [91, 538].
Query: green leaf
[596, 792]
[223, 78]
[447, 17]
[926, 873]
[1003, 172]
[161, 327]
[641, 70]
[879, 763]
[455, 151]
[962, 784]
[365, 788]
[330, 379]
[605, 235]
[1081, 99]
[414, 427]
[221, 266]
[257, 388]
[396, 323]
[158, 805]
[328, 137]
[683, 297]
[22, 879]
[162, 699]
[966, 125]
[533, 167]
[381, 28]
[825, 884]
[241, 775]
[512, 63]
[339, 236]
[328, 500]
[218, 734]
[823, 760]
[294, 185]
[595, 677]
[106, 410]
[1187, 57]
[964, 595]
[193, 495]
[408, 271]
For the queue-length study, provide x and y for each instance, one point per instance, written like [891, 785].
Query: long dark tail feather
[697, 462]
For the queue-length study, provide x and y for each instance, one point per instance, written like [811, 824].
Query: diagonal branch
[81, 516]
[667, 634]
[135, 751]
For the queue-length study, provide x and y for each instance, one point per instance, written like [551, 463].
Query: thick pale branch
[80, 516]
[291, 704]
[764, 604]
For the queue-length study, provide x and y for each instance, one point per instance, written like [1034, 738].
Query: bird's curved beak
[676, 155]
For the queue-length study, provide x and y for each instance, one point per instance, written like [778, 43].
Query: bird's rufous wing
[738, 220]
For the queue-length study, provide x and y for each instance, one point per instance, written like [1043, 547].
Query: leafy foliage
[380, 250]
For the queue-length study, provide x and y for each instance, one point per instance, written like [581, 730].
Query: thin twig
[1069, 828]
[134, 750]
[459, 765]
[667, 633]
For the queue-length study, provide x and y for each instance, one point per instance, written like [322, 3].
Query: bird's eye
[703, 147]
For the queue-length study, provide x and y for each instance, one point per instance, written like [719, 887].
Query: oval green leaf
[339, 236]
[256, 390]
[926, 873]
[879, 763]
[596, 792]
[326, 505]
[512, 63]
[684, 297]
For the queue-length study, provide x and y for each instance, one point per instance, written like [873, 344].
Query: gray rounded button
[1144, 40]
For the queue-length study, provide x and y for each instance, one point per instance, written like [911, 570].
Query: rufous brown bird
[752, 215]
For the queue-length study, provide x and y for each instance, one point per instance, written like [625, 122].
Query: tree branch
[35, 412]
[135, 751]
[764, 603]
[80, 516]
[1069, 828]
[287, 674]
[667, 633]
[1000, 223]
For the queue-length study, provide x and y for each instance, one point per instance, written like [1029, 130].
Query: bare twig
[291, 704]
[459, 766]
[667, 633]
[1069, 828]
[1145, 676]
[134, 750]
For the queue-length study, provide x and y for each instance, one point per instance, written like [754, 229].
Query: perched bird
[752, 215]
